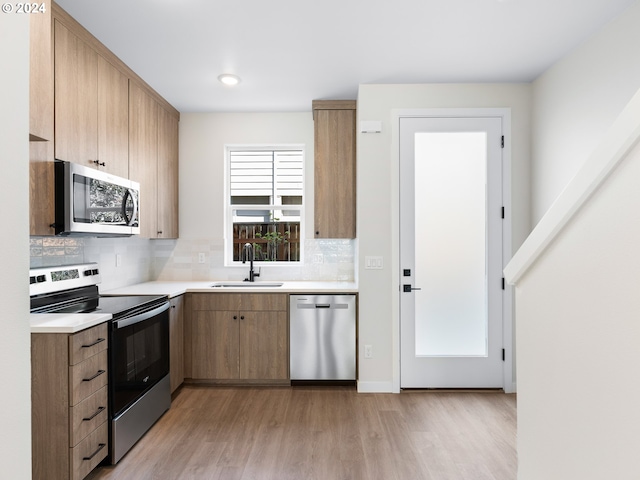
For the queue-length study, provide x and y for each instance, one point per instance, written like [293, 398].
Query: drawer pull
[100, 372]
[99, 340]
[98, 412]
[100, 447]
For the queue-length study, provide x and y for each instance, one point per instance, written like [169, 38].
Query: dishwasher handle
[314, 306]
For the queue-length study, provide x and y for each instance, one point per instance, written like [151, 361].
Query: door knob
[408, 288]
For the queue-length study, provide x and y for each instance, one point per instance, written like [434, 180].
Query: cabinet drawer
[87, 377]
[87, 343]
[87, 415]
[240, 301]
[89, 452]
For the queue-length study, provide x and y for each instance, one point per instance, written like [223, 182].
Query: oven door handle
[125, 322]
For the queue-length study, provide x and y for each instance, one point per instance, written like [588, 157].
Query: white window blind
[271, 175]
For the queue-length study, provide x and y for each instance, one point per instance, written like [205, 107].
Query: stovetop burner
[74, 289]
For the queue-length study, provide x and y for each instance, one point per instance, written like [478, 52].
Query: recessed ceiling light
[229, 79]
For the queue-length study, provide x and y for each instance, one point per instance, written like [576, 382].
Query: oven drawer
[89, 452]
[87, 343]
[87, 377]
[87, 415]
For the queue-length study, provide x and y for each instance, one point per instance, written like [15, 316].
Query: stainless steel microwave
[94, 203]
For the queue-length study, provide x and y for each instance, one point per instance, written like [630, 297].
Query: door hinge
[502, 142]
[503, 355]
[502, 212]
[503, 283]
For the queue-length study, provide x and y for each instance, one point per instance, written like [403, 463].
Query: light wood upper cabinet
[40, 77]
[167, 175]
[335, 168]
[153, 162]
[91, 99]
[113, 119]
[76, 98]
[80, 102]
[143, 156]
[41, 175]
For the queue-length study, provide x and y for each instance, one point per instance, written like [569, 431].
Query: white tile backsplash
[144, 259]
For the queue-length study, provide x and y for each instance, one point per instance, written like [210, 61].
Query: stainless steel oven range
[138, 352]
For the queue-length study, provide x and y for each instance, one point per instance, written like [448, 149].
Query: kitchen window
[265, 203]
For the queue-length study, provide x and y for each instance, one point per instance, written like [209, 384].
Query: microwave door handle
[129, 221]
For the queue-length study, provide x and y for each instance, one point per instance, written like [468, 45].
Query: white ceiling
[289, 52]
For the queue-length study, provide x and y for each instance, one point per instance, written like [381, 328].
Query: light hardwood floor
[326, 433]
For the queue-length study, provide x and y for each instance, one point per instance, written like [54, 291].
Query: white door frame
[507, 298]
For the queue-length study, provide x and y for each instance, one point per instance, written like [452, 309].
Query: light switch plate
[373, 263]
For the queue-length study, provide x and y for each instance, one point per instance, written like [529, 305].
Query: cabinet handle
[100, 447]
[235, 317]
[159, 232]
[100, 372]
[242, 317]
[98, 412]
[99, 340]
[99, 163]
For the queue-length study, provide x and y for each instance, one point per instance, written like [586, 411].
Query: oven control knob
[41, 278]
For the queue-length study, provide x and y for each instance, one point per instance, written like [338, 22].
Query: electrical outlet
[368, 351]
[118, 260]
[318, 258]
[201, 257]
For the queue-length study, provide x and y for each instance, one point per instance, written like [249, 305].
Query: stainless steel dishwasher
[322, 337]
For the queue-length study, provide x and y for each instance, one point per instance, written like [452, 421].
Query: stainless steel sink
[246, 284]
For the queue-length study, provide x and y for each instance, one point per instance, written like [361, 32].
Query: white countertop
[175, 288]
[65, 322]
[75, 322]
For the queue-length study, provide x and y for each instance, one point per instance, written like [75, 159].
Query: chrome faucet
[248, 253]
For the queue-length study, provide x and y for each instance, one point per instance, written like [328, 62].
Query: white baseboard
[511, 389]
[375, 387]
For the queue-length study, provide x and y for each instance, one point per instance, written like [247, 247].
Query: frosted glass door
[450, 252]
[450, 211]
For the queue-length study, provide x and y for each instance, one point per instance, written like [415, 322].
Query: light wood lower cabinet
[238, 337]
[69, 403]
[176, 342]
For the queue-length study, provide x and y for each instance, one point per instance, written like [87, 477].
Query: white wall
[203, 137]
[578, 336]
[378, 203]
[15, 341]
[576, 101]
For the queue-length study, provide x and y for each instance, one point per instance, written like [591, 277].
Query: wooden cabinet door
[113, 119]
[176, 342]
[76, 98]
[143, 156]
[334, 171]
[215, 345]
[167, 174]
[264, 346]
[40, 77]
